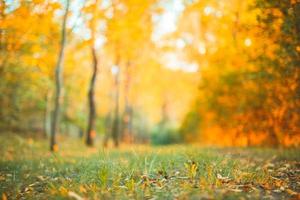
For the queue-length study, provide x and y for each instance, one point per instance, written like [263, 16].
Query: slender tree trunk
[91, 133]
[236, 27]
[127, 116]
[92, 105]
[58, 83]
[115, 128]
[273, 140]
[165, 112]
[3, 56]
[46, 114]
[108, 128]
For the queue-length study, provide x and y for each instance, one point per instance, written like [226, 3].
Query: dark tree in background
[92, 105]
[91, 93]
[126, 132]
[115, 126]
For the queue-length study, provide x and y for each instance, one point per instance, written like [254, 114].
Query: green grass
[28, 170]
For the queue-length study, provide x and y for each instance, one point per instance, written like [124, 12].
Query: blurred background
[111, 72]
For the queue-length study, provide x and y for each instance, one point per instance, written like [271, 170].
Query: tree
[278, 74]
[27, 57]
[91, 93]
[128, 34]
[249, 75]
[116, 125]
[59, 82]
[128, 112]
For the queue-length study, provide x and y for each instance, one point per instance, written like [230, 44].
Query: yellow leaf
[63, 191]
[82, 189]
[4, 197]
[291, 192]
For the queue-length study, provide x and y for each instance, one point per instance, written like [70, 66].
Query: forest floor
[29, 171]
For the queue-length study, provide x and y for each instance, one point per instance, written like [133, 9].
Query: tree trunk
[46, 114]
[92, 106]
[91, 93]
[58, 83]
[127, 116]
[108, 128]
[115, 128]
[2, 39]
[273, 140]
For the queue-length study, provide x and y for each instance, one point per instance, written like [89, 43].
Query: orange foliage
[218, 136]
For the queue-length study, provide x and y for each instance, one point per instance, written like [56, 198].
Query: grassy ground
[29, 171]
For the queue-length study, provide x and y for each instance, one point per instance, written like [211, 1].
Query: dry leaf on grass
[75, 196]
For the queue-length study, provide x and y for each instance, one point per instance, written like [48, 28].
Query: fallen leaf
[235, 190]
[4, 197]
[82, 189]
[269, 165]
[2, 178]
[41, 178]
[291, 192]
[63, 190]
[265, 186]
[223, 178]
[74, 195]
